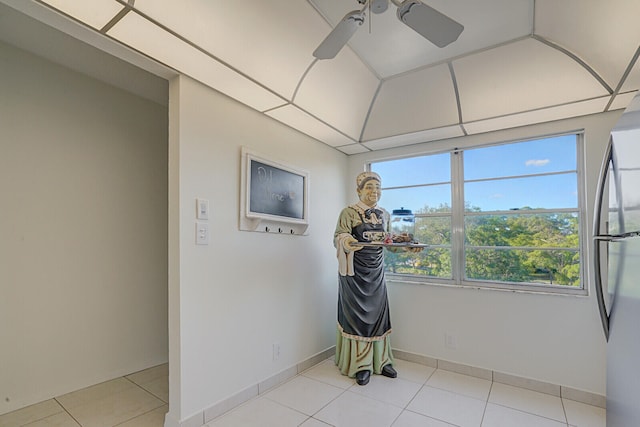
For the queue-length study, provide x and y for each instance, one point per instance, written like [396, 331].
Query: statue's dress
[364, 324]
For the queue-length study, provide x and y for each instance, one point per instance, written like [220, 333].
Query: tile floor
[320, 397]
[136, 400]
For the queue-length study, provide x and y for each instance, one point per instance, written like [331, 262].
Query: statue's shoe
[388, 371]
[362, 377]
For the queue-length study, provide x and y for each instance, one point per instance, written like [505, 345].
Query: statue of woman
[363, 342]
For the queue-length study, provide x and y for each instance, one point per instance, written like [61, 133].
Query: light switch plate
[202, 209]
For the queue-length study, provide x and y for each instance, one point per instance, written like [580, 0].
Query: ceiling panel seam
[456, 58]
[533, 18]
[366, 118]
[626, 73]
[317, 118]
[304, 76]
[546, 107]
[277, 107]
[457, 95]
[338, 147]
[411, 133]
[126, 9]
[577, 59]
[207, 53]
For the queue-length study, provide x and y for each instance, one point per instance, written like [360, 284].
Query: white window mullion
[457, 216]
[522, 194]
[582, 203]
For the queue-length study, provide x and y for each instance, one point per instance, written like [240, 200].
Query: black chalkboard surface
[275, 191]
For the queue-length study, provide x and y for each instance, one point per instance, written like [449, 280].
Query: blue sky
[557, 154]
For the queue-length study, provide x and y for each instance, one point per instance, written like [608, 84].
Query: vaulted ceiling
[517, 62]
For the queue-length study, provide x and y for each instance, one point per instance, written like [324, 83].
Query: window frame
[458, 215]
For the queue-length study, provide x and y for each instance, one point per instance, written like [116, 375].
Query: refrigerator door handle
[616, 237]
[597, 237]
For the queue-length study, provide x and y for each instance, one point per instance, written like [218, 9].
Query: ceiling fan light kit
[434, 26]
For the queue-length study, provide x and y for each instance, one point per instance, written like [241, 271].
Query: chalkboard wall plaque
[275, 191]
[275, 196]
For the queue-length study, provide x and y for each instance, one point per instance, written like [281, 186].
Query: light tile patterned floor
[319, 397]
[421, 396]
[137, 400]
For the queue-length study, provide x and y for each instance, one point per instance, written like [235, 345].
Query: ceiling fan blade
[439, 29]
[340, 35]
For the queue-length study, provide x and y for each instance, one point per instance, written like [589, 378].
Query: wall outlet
[276, 351]
[450, 341]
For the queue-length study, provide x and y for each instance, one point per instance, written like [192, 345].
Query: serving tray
[391, 245]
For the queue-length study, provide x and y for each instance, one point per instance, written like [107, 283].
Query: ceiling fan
[434, 26]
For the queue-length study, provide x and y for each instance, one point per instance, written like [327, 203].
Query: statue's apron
[363, 307]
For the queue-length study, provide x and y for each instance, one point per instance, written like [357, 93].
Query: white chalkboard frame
[289, 183]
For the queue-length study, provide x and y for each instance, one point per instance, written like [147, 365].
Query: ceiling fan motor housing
[379, 6]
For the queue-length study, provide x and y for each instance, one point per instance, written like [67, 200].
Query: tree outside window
[505, 215]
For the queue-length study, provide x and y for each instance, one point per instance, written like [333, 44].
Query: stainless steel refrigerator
[617, 266]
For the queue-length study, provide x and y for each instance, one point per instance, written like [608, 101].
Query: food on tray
[375, 236]
[403, 238]
[389, 238]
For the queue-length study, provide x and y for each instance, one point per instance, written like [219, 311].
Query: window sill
[489, 286]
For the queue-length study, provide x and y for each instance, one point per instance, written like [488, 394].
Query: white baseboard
[540, 386]
[263, 386]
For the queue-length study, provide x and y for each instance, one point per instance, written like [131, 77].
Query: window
[504, 216]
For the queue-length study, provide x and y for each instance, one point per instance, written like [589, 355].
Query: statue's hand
[350, 244]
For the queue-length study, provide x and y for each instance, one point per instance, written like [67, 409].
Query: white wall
[231, 300]
[83, 249]
[83, 231]
[552, 338]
